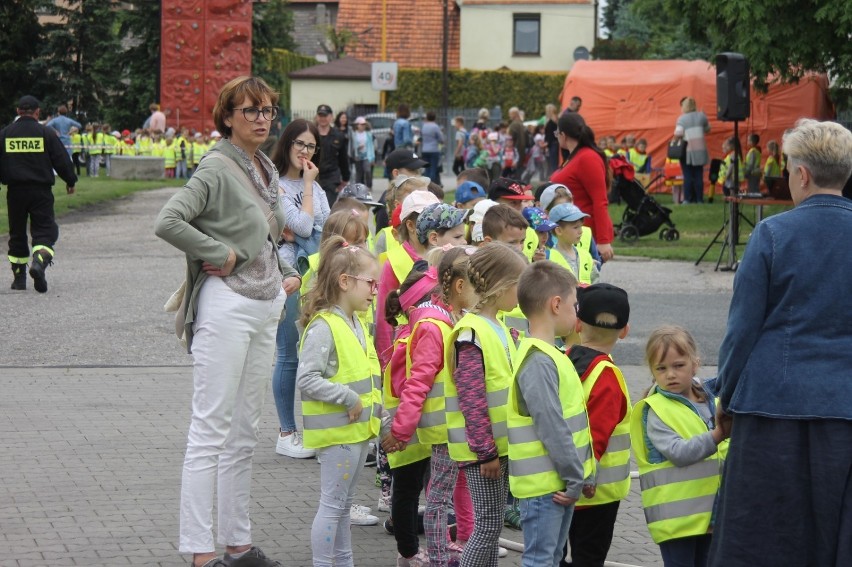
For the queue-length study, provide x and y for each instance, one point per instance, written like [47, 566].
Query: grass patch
[697, 225]
[90, 191]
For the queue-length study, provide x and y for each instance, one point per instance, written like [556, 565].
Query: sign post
[384, 76]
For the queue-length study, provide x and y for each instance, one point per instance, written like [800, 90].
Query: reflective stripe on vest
[678, 501]
[531, 471]
[498, 376]
[327, 423]
[584, 263]
[613, 470]
[415, 450]
[432, 427]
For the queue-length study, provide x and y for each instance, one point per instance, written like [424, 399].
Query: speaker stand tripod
[731, 230]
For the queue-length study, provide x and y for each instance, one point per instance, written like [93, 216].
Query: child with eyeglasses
[338, 376]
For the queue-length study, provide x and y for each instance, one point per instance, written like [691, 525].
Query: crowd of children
[97, 143]
[472, 344]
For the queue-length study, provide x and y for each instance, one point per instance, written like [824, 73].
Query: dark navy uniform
[333, 159]
[29, 153]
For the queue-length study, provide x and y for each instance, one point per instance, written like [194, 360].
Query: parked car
[381, 124]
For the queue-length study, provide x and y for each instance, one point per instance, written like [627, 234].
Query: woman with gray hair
[785, 372]
[692, 126]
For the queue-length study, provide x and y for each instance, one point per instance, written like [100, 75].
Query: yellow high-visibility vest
[498, 376]
[613, 470]
[530, 243]
[678, 501]
[531, 471]
[585, 262]
[432, 428]
[415, 450]
[327, 424]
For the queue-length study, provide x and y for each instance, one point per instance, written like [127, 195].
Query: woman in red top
[585, 174]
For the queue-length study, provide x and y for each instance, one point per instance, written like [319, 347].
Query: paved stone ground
[95, 405]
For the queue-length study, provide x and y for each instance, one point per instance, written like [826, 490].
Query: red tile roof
[522, 2]
[414, 31]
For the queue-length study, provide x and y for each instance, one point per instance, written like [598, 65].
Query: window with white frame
[526, 34]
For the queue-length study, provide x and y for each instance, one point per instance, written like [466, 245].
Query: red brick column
[204, 44]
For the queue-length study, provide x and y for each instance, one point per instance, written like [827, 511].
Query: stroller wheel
[664, 234]
[672, 234]
[629, 233]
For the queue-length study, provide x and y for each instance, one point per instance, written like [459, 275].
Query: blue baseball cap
[566, 212]
[538, 220]
[468, 191]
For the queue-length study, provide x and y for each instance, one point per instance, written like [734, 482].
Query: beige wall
[306, 94]
[486, 37]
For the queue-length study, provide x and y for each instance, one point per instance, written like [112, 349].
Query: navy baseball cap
[28, 102]
[468, 191]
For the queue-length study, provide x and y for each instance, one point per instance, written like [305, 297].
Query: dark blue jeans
[286, 364]
[693, 183]
[433, 158]
[686, 551]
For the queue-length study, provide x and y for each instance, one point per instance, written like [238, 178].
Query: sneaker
[384, 503]
[455, 547]
[502, 551]
[291, 446]
[421, 559]
[365, 509]
[388, 526]
[253, 553]
[371, 460]
[512, 518]
[41, 260]
[358, 516]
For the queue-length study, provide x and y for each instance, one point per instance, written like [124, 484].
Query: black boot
[20, 281]
[41, 260]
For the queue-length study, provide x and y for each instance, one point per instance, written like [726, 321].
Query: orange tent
[643, 98]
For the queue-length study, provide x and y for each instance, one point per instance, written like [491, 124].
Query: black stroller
[643, 215]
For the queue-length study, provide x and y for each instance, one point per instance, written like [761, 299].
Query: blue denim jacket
[787, 352]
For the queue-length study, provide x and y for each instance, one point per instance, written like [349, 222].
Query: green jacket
[211, 214]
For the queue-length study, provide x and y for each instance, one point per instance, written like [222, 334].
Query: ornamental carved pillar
[204, 44]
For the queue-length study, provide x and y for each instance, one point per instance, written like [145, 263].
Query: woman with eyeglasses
[305, 212]
[226, 221]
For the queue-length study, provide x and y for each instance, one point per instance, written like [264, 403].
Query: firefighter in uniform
[29, 153]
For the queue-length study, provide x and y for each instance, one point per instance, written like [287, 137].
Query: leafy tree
[19, 37]
[272, 28]
[71, 62]
[610, 15]
[135, 65]
[781, 38]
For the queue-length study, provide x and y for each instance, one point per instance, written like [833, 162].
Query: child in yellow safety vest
[774, 165]
[480, 354]
[169, 152]
[679, 448]
[339, 378]
[732, 151]
[550, 456]
[602, 315]
[638, 157]
[566, 252]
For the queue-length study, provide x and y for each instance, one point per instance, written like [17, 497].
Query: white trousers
[233, 349]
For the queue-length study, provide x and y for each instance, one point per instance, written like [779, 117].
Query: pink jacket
[427, 360]
[384, 332]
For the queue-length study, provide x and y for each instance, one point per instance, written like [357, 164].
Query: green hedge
[274, 66]
[471, 89]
